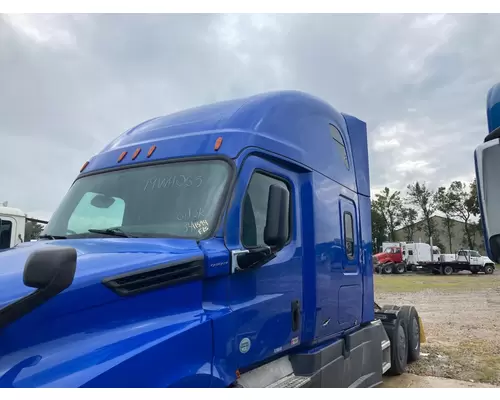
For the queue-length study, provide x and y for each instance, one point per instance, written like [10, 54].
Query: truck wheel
[399, 347]
[387, 268]
[400, 268]
[488, 269]
[413, 332]
[447, 270]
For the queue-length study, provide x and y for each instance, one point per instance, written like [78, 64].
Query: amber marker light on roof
[151, 150]
[122, 156]
[84, 166]
[136, 153]
[218, 143]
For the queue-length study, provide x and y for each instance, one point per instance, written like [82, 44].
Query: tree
[474, 200]
[379, 228]
[32, 231]
[389, 206]
[408, 216]
[422, 197]
[446, 202]
[465, 207]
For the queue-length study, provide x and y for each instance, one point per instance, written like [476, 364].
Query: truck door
[7, 232]
[266, 302]
[475, 258]
[350, 293]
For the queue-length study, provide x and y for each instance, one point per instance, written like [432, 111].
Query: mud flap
[422, 332]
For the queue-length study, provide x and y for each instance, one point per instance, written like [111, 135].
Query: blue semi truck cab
[227, 245]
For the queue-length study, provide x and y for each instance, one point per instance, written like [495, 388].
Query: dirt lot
[461, 317]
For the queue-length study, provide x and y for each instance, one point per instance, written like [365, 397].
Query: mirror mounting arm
[50, 271]
[251, 258]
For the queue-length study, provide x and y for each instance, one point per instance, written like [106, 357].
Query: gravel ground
[461, 317]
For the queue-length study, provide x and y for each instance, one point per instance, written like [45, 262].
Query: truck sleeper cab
[223, 246]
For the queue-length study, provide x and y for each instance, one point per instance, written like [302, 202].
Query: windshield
[178, 199]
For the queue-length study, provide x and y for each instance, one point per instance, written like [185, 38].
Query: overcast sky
[71, 83]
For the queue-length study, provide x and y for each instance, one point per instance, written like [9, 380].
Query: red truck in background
[390, 261]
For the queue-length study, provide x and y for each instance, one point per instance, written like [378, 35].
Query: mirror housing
[487, 163]
[50, 271]
[278, 217]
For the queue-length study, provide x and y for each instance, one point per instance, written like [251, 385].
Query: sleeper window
[340, 144]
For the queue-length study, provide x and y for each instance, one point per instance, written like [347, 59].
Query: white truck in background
[420, 253]
[462, 260]
[400, 257]
[13, 226]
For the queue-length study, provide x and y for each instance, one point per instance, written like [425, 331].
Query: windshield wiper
[52, 237]
[111, 231]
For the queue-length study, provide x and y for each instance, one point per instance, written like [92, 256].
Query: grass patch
[420, 282]
[473, 360]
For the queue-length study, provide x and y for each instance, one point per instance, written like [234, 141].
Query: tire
[387, 268]
[400, 268]
[447, 270]
[410, 315]
[488, 269]
[399, 347]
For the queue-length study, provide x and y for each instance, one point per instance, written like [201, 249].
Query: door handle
[295, 315]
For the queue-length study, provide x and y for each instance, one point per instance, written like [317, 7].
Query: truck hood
[96, 259]
[486, 260]
[380, 256]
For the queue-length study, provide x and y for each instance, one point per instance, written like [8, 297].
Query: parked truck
[462, 260]
[223, 246]
[13, 226]
[390, 261]
[400, 257]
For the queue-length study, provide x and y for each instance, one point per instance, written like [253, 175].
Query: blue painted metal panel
[359, 142]
[260, 300]
[329, 258]
[493, 107]
[366, 262]
[292, 124]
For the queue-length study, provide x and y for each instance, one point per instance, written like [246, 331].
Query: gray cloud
[71, 83]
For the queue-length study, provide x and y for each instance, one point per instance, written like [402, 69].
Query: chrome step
[290, 381]
[385, 367]
[385, 344]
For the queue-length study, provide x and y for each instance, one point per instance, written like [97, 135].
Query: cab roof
[10, 211]
[292, 124]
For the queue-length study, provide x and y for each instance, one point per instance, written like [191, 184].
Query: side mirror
[50, 271]
[487, 160]
[278, 217]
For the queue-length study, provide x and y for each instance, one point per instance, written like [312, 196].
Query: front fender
[161, 352]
